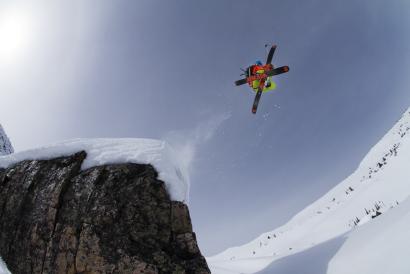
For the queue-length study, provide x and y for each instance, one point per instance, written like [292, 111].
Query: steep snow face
[5, 145]
[379, 247]
[113, 151]
[379, 184]
[3, 268]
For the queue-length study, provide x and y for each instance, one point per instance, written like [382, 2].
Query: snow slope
[379, 247]
[379, 184]
[113, 151]
[5, 145]
[3, 268]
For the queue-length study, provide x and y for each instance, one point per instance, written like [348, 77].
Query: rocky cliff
[57, 218]
[5, 144]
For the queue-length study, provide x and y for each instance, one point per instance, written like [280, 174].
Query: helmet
[258, 62]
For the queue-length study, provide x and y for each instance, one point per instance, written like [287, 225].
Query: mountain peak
[5, 144]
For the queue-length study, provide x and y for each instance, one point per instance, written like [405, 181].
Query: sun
[15, 34]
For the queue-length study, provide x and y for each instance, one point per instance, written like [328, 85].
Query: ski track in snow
[379, 184]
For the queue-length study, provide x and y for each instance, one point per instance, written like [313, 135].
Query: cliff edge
[56, 217]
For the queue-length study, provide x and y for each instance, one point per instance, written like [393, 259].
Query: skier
[258, 68]
[259, 77]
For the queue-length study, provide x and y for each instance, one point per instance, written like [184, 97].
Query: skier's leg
[255, 85]
[269, 85]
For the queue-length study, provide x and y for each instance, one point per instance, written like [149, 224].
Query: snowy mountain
[5, 145]
[380, 247]
[379, 184]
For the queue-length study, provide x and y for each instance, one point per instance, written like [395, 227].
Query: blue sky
[165, 69]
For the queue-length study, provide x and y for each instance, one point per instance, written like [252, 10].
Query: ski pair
[263, 77]
[262, 85]
[262, 81]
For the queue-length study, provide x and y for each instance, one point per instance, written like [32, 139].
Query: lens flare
[15, 34]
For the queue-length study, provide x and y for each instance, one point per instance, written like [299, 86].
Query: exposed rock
[56, 218]
[5, 144]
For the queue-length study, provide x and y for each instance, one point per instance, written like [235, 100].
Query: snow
[3, 268]
[114, 151]
[5, 145]
[380, 247]
[378, 185]
[314, 260]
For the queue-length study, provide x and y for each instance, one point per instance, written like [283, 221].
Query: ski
[277, 71]
[265, 75]
[270, 55]
[256, 101]
[257, 74]
[241, 82]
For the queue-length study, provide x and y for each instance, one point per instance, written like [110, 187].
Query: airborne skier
[259, 77]
[258, 68]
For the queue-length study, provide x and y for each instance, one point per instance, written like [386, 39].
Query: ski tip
[285, 68]
[272, 45]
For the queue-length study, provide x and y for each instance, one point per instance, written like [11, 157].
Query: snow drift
[379, 184]
[113, 151]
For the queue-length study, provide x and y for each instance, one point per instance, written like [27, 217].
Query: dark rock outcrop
[56, 218]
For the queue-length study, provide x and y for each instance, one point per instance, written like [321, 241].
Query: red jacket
[255, 68]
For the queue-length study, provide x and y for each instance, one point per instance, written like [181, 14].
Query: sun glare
[14, 35]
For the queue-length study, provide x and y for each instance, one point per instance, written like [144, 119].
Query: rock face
[56, 218]
[5, 145]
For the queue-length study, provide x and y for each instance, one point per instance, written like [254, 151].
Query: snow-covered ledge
[114, 151]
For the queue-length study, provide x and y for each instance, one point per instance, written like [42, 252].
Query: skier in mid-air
[259, 77]
[255, 69]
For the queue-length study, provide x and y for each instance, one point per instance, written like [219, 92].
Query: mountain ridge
[372, 189]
